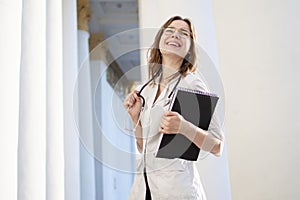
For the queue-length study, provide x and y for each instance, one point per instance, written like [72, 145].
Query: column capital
[83, 14]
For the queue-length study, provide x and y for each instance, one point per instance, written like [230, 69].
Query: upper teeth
[174, 43]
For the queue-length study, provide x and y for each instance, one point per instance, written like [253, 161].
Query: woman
[172, 60]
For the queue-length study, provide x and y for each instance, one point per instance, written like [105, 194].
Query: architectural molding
[83, 14]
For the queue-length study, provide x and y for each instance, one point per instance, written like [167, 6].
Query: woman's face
[176, 39]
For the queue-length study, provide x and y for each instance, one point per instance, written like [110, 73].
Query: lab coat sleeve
[216, 125]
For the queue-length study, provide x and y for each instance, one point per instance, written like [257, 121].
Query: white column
[10, 40]
[70, 63]
[85, 119]
[55, 126]
[32, 118]
[213, 171]
[84, 104]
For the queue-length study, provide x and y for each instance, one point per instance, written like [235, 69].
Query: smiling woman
[163, 43]
[176, 39]
[171, 63]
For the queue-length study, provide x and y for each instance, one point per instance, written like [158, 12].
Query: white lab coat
[169, 179]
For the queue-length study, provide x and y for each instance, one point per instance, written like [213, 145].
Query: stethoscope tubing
[147, 83]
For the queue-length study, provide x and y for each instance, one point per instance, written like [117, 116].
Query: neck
[172, 62]
[170, 67]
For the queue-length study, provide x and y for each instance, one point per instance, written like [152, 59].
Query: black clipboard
[196, 107]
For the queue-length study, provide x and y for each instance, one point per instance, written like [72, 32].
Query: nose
[176, 34]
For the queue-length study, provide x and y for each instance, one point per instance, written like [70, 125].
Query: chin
[171, 52]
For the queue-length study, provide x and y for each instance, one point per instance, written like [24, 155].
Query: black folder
[196, 107]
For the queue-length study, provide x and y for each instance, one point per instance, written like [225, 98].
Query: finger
[162, 130]
[126, 103]
[136, 97]
[129, 103]
[162, 125]
[127, 97]
[132, 96]
[135, 93]
[170, 113]
[164, 120]
[130, 99]
[165, 125]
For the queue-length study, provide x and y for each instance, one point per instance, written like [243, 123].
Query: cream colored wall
[259, 44]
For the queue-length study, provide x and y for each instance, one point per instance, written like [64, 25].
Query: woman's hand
[172, 123]
[133, 105]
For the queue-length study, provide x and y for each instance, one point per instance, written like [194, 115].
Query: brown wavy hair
[155, 56]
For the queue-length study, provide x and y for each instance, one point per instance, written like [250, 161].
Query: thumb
[136, 97]
[170, 113]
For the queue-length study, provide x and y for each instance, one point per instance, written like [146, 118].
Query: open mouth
[174, 44]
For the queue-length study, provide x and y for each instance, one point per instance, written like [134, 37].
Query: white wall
[10, 48]
[259, 45]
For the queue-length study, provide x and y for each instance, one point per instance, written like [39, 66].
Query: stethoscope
[147, 83]
[143, 87]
